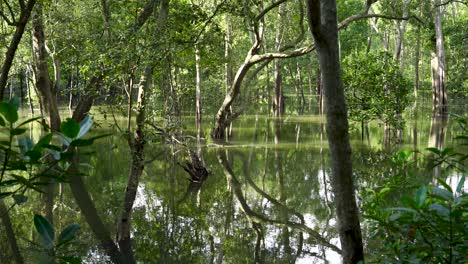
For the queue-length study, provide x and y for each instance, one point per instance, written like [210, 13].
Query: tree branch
[9, 22]
[354, 18]
[218, 7]
[268, 9]
[452, 1]
[269, 56]
[11, 12]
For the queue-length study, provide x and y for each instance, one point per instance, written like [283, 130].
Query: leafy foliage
[429, 227]
[375, 88]
[49, 246]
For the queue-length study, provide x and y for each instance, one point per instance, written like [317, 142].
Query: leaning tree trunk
[323, 25]
[15, 40]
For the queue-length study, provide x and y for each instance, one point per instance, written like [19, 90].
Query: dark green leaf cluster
[51, 246]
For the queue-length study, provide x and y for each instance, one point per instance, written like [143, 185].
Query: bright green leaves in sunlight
[49, 245]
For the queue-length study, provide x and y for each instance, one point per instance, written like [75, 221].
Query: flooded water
[267, 197]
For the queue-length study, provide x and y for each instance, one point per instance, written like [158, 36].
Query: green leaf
[17, 131]
[8, 183]
[29, 121]
[421, 196]
[34, 155]
[70, 260]
[70, 128]
[440, 209]
[44, 141]
[45, 230]
[25, 182]
[9, 112]
[5, 194]
[446, 186]
[85, 125]
[2, 121]
[86, 142]
[20, 198]
[403, 209]
[384, 191]
[434, 150]
[441, 193]
[409, 202]
[68, 234]
[81, 142]
[394, 217]
[461, 184]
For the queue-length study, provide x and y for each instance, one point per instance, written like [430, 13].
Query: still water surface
[267, 196]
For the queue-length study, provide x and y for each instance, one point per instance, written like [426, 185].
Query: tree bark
[278, 102]
[137, 143]
[43, 82]
[440, 104]
[15, 40]
[323, 26]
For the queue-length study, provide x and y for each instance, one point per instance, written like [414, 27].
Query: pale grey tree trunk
[198, 92]
[323, 25]
[440, 103]
[43, 82]
[278, 101]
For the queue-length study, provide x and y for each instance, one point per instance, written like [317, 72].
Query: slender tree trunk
[47, 97]
[137, 144]
[227, 55]
[323, 26]
[21, 78]
[278, 102]
[198, 118]
[106, 19]
[43, 82]
[319, 90]
[15, 40]
[400, 27]
[302, 100]
[416, 63]
[28, 89]
[440, 103]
